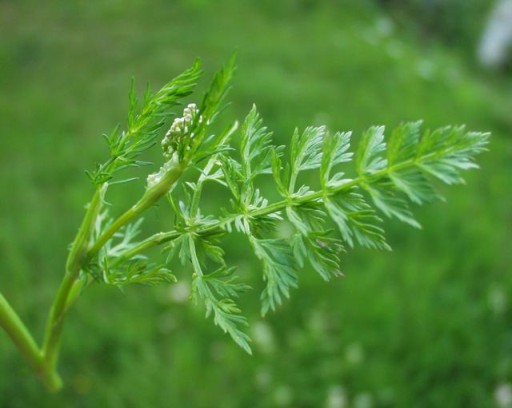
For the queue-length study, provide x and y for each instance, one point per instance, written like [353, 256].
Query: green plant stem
[82, 251]
[74, 264]
[25, 343]
[154, 240]
[163, 237]
[56, 320]
[148, 199]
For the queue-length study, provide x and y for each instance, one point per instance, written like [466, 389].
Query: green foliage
[143, 124]
[388, 176]
[407, 313]
[107, 250]
[111, 267]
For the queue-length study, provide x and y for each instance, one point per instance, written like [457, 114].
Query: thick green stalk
[74, 264]
[26, 345]
[43, 362]
[83, 251]
[148, 199]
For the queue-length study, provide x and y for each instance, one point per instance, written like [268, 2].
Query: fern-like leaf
[279, 267]
[385, 176]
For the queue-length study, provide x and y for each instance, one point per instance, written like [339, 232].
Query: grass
[427, 325]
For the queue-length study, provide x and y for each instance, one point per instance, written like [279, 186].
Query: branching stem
[148, 199]
[25, 343]
[164, 237]
[74, 264]
[83, 251]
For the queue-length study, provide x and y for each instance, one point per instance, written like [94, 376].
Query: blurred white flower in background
[503, 395]
[264, 337]
[179, 292]
[336, 397]
[496, 41]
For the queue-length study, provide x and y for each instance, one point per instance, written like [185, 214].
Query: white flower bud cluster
[179, 129]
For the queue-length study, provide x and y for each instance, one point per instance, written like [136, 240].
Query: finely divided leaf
[281, 176]
[389, 175]
[214, 97]
[391, 202]
[144, 124]
[218, 292]
[335, 151]
[403, 143]
[356, 220]
[306, 218]
[306, 149]
[415, 185]
[369, 153]
[138, 271]
[278, 271]
[322, 252]
[311, 242]
[255, 147]
[444, 152]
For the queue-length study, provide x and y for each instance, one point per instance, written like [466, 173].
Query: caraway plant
[331, 196]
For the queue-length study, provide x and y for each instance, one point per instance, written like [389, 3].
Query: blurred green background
[428, 325]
